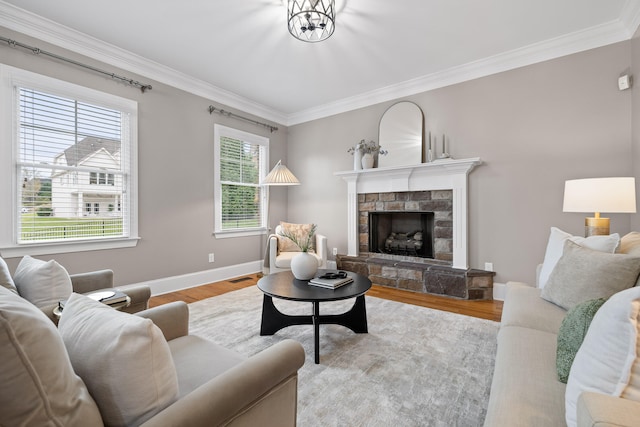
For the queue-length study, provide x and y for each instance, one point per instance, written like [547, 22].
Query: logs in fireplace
[401, 233]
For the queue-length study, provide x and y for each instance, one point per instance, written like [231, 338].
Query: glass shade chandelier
[311, 20]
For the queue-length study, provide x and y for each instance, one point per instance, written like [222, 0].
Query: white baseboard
[176, 283]
[499, 290]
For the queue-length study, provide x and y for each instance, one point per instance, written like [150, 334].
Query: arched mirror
[401, 133]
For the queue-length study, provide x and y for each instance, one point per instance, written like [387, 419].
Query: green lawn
[37, 228]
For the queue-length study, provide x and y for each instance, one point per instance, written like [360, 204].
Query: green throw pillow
[571, 334]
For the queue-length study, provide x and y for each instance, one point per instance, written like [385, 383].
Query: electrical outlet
[488, 266]
[212, 258]
[335, 251]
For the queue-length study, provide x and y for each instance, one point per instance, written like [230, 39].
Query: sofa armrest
[92, 281]
[596, 409]
[262, 390]
[512, 283]
[171, 318]
[321, 249]
[139, 294]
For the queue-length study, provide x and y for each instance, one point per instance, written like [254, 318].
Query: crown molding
[32, 25]
[601, 35]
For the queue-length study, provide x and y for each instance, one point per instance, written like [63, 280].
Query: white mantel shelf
[446, 174]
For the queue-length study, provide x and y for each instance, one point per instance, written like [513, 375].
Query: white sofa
[525, 390]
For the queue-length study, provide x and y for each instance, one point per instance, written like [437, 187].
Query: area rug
[415, 367]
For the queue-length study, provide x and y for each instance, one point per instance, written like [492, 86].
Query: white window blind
[72, 174]
[240, 163]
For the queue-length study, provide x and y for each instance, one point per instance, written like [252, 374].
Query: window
[240, 164]
[68, 141]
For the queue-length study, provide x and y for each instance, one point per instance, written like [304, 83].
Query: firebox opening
[401, 233]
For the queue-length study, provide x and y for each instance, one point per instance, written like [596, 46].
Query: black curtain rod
[38, 51]
[213, 109]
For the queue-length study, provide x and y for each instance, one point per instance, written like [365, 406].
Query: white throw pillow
[42, 283]
[607, 362]
[124, 360]
[38, 386]
[555, 247]
[5, 277]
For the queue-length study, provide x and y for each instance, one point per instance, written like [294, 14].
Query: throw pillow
[630, 243]
[5, 277]
[124, 360]
[42, 283]
[608, 361]
[582, 274]
[571, 334]
[555, 246]
[300, 231]
[37, 383]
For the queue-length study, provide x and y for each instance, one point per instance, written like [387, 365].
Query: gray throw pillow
[582, 274]
[571, 334]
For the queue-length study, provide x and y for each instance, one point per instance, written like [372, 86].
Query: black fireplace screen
[401, 233]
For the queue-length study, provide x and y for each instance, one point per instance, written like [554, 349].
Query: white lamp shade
[280, 175]
[612, 195]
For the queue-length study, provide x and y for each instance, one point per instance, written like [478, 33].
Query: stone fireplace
[407, 228]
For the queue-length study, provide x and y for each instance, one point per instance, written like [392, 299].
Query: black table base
[273, 320]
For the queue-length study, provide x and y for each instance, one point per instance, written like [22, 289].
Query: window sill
[61, 248]
[226, 234]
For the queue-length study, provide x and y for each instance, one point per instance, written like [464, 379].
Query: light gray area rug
[415, 367]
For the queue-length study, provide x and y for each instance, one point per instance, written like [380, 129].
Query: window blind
[240, 178]
[72, 169]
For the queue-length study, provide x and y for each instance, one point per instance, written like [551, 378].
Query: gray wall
[175, 176]
[533, 127]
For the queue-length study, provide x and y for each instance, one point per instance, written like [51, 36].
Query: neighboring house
[91, 183]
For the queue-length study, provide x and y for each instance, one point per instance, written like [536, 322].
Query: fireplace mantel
[447, 174]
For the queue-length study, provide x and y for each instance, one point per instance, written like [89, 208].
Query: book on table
[332, 283]
[111, 297]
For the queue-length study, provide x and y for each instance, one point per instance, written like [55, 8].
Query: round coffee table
[284, 286]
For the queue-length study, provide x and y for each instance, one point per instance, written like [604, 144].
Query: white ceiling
[240, 53]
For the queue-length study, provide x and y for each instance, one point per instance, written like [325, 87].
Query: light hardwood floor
[491, 310]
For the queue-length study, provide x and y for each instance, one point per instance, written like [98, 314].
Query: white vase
[367, 161]
[304, 266]
[357, 160]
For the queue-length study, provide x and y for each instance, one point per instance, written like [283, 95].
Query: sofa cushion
[124, 360]
[43, 283]
[607, 361]
[37, 383]
[197, 360]
[300, 231]
[5, 277]
[524, 389]
[572, 332]
[524, 307]
[555, 247]
[582, 274]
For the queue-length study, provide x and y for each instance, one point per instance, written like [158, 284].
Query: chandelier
[311, 20]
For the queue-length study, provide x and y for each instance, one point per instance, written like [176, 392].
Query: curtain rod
[38, 51]
[213, 109]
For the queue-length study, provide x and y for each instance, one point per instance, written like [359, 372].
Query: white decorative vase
[357, 160]
[367, 161]
[304, 266]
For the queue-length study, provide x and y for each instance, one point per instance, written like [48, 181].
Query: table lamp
[612, 195]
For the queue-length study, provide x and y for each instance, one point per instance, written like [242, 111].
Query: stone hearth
[427, 276]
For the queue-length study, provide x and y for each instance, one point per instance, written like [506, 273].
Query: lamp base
[596, 227]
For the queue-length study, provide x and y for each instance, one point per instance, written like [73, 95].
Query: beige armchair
[216, 386]
[280, 260]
